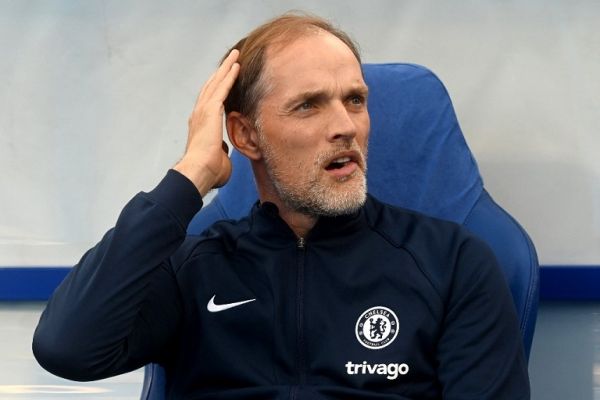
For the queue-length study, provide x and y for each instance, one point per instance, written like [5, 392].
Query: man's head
[250, 86]
[298, 111]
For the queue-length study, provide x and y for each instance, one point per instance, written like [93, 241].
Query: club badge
[377, 327]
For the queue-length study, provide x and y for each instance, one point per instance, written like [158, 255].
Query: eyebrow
[314, 95]
[319, 95]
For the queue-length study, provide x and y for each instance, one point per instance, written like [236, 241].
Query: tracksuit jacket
[382, 304]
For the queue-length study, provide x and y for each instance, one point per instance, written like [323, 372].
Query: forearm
[93, 324]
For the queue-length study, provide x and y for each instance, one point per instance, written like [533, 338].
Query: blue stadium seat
[418, 159]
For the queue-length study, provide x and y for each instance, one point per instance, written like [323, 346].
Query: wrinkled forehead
[315, 59]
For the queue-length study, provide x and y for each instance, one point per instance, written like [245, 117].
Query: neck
[299, 223]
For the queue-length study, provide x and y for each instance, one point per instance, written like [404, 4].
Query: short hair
[250, 87]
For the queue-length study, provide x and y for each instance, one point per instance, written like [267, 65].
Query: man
[322, 292]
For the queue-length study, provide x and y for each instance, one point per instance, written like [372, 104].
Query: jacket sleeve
[119, 306]
[480, 352]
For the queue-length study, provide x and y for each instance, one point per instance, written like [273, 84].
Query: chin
[346, 204]
[339, 199]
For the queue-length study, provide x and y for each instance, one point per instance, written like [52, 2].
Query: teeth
[341, 160]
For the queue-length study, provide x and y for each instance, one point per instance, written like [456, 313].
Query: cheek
[363, 126]
[299, 137]
[293, 150]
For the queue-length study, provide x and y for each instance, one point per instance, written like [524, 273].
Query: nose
[341, 125]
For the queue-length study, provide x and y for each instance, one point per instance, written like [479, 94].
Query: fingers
[216, 89]
[227, 82]
[205, 160]
[209, 103]
[227, 64]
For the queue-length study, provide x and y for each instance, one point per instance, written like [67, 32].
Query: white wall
[95, 96]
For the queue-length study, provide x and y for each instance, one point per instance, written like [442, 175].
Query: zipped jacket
[381, 304]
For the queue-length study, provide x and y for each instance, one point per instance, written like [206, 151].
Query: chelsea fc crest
[376, 328]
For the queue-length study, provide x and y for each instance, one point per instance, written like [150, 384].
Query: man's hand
[205, 161]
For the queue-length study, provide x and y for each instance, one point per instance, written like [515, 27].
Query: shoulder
[220, 238]
[405, 227]
[440, 248]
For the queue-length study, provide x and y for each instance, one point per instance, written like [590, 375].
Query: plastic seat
[418, 159]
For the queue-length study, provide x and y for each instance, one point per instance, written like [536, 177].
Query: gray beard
[320, 200]
[312, 197]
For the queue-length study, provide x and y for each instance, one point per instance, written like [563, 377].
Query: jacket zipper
[301, 242]
[301, 252]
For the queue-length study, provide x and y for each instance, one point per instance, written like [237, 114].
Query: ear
[242, 135]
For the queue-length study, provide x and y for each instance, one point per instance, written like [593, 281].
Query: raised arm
[119, 307]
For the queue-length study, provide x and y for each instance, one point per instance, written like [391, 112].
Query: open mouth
[343, 166]
[338, 163]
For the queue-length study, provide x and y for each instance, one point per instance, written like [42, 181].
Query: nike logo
[212, 307]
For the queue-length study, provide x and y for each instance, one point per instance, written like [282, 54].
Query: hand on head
[205, 161]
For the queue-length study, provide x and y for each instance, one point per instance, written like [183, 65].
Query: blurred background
[95, 97]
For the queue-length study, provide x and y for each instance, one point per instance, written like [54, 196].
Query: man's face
[313, 126]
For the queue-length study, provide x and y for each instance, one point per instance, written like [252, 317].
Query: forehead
[316, 61]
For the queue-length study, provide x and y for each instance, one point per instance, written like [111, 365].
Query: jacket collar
[269, 226]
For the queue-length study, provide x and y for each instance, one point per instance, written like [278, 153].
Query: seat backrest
[418, 159]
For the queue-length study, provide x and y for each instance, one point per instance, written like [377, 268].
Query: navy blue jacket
[382, 304]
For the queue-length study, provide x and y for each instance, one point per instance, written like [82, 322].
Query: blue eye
[356, 100]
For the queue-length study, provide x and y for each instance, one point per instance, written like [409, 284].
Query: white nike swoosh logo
[212, 307]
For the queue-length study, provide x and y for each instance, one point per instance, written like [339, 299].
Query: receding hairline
[289, 38]
[260, 44]
[274, 48]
